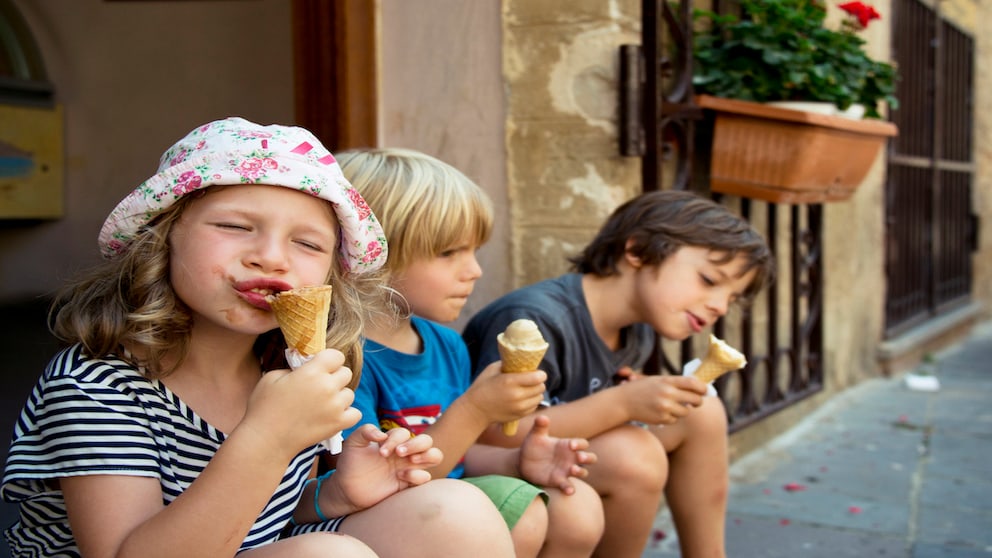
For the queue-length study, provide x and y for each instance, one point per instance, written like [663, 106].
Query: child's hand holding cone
[521, 348]
[302, 315]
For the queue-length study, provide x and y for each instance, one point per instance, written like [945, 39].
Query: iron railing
[931, 231]
[782, 334]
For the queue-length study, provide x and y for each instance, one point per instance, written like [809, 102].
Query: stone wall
[967, 14]
[565, 174]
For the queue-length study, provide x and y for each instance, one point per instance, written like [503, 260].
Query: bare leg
[315, 545]
[530, 530]
[697, 493]
[629, 476]
[575, 522]
[444, 517]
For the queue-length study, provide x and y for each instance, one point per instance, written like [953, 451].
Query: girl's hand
[662, 399]
[374, 465]
[298, 408]
[502, 397]
[549, 461]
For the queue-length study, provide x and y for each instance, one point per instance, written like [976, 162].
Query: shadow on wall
[26, 346]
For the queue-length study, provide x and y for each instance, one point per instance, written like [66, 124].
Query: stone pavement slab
[879, 470]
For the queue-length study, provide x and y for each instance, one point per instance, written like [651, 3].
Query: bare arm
[123, 516]
[493, 397]
[648, 399]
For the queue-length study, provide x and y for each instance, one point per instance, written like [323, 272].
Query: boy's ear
[628, 254]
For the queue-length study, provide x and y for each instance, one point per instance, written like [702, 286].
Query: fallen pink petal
[854, 509]
[794, 487]
[784, 522]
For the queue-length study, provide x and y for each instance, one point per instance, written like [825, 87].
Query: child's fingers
[425, 459]
[530, 379]
[576, 444]
[585, 457]
[414, 445]
[414, 477]
[493, 369]
[687, 383]
[578, 471]
[393, 440]
[364, 435]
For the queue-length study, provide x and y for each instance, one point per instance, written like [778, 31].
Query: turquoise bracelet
[316, 495]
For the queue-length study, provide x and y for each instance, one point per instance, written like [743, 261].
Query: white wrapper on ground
[296, 360]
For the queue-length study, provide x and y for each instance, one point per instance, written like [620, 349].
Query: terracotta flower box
[788, 156]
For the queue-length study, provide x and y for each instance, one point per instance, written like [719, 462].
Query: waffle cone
[302, 317]
[517, 360]
[719, 359]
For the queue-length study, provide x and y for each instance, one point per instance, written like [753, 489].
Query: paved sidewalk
[880, 470]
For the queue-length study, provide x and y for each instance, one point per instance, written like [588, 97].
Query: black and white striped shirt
[102, 417]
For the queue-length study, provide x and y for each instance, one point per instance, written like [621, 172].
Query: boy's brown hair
[654, 225]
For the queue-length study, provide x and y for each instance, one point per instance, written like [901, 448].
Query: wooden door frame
[335, 66]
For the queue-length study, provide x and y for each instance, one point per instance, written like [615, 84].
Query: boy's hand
[549, 461]
[505, 397]
[662, 399]
[374, 465]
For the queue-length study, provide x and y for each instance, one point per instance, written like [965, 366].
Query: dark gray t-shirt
[578, 362]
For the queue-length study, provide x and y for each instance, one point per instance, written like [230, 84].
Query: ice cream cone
[521, 348]
[302, 317]
[720, 359]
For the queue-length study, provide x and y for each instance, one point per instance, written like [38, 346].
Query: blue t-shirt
[412, 391]
[103, 417]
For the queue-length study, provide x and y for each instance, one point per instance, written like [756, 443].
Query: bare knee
[631, 457]
[710, 418]
[316, 545]
[576, 522]
[444, 517]
[531, 529]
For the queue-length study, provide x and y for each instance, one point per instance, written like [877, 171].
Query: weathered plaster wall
[564, 170]
[564, 174]
[130, 88]
[441, 93]
[972, 13]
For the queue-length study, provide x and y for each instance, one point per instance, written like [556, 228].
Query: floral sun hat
[235, 151]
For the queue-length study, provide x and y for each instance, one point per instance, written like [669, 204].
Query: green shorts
[510, 494]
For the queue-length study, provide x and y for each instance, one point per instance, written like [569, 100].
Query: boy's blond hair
[425, 205]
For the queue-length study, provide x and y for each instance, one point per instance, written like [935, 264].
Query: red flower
[863, 12]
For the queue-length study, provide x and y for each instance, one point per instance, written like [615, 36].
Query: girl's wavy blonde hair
[425, 205]
[129, 301]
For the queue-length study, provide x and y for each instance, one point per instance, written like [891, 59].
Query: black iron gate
[782, 334]
[931, 231]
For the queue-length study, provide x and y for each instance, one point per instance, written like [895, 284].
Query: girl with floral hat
[169, 427]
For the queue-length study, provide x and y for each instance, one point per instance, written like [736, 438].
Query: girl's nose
[269, 255]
